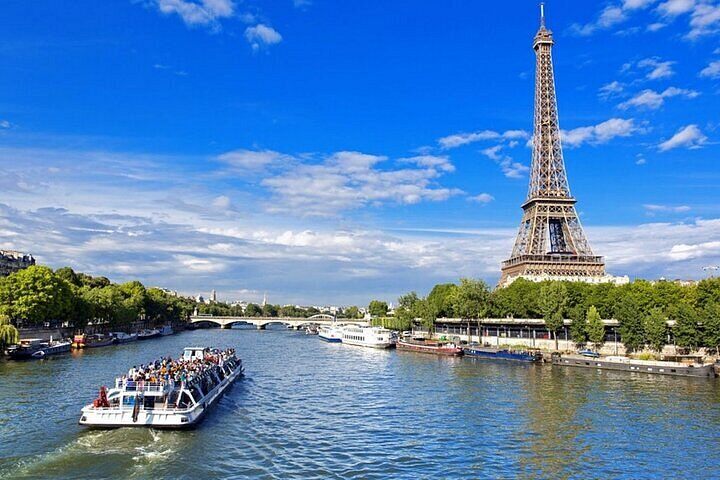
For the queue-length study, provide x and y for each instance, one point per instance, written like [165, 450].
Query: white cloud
[350, 180]
[5, 124]
[688, 137]
[654, 27]
[704, 20]
[653, 100]
[441, 163]
[482, 198]
[261, 35]
[600, 133]
[253, 160]
[221, 202]
[301, 3]
[657, 69]
[510, 168]
[460, 139]
[654, 208]
[610, 16]
[610, 89]
[205, 13]
[712, 70]
[676, 7]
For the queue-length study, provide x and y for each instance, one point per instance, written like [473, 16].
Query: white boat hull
[156, 418]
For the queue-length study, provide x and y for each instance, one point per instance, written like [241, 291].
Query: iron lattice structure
[551, 241]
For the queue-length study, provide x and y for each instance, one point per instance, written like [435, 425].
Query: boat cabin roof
[194, 352]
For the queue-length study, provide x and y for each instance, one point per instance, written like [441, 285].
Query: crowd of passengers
[167, 371]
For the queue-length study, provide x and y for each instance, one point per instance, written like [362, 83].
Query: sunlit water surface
[308, 409]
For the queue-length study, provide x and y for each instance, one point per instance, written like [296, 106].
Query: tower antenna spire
[542, 14]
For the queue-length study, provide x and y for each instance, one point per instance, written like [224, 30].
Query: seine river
[308, 409]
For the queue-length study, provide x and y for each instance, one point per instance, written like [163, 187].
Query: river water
[308, 409]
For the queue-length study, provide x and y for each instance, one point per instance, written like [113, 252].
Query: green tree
[441, 298]
[269, 310]
[378, 308]
[656, 329]
[471, 299]
[685, 330]
[578, 327]
[427, 312]
[595, 327]
[35, 295]
[711, 326]
[69, 275]
[518, 300]
[8, 333]
[253, 310]
[553, 297]
[352, 312]
[630, 319]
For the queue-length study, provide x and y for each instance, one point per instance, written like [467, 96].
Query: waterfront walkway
[262, 322]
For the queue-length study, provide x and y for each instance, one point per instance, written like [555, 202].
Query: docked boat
[122, 337]
[312, 330]
[179, 398]
[92, 341]
[626, 364]
[37, 348]
[424, 345]
[367, 336]
[331, 333]
[166, 330]
[502, 353]
[147, 334]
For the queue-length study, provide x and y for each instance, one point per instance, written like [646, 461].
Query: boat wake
[98, 454]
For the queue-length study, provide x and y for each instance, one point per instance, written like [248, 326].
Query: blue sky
[333, 152]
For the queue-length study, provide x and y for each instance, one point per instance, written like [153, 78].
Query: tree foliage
[656, 329]
[595, 327]
[378, 308]
[471, 299]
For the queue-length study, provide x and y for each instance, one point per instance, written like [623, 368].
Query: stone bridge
[262, 322]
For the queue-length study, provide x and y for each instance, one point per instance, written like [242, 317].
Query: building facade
[12, 261]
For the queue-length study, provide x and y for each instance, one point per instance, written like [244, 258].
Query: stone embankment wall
[44, 333]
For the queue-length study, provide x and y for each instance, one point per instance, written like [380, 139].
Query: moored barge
[36, 348]
[434, 347]
[502, 353]
[626, 364]
[168, 394]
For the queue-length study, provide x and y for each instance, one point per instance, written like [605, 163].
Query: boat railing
[140, 386]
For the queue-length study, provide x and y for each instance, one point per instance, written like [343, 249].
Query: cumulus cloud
[653, 100]
[253, 160]
[460, 139]
[261, 35]
[656, 68]
[688, 137]
[676, 7]
[610, 16]
[509, 167]
[350, 180]
[5, 124]
[712, 70]
[610, 89]
[206, 13]
[600, 133]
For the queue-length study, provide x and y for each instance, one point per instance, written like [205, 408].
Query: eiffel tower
[551, 243]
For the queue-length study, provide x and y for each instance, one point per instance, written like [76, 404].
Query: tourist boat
[367, 336]
[166, 330]
[502, 353]
[148, 334]
[122, 337]
[332, 333]
[311, 330]
[92, 341]
[36, 348]
[626, 364]
[424, 345]
[165, 404]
